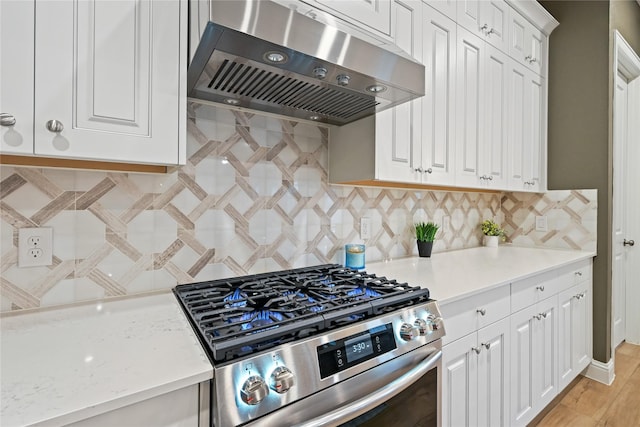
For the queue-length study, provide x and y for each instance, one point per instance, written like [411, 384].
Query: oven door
[403, 392]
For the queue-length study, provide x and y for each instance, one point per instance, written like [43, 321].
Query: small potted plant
[492, 232]
[425, 235]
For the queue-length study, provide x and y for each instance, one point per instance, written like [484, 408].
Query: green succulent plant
[426, 231]
[491, 228]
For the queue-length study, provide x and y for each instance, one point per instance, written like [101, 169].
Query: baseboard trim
[602, 372]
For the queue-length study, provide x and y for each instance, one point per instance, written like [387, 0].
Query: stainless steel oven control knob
[423, 327]
[434, 322]
[254, 390]
[281, 380]
[408, 332]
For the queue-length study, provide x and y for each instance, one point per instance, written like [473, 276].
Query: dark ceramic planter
[424, 248]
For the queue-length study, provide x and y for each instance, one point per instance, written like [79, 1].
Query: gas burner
[238, 316]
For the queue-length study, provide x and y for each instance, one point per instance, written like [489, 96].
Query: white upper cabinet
[16, 83]
[375, 14]
[488, 19]
[398, 129]
[526, 130]
[470, 96]
[437, 157]
[116, 86]
[527, 44]
[108, 80]
[446, 7]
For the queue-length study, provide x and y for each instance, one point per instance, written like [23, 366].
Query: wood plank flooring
[589, 403]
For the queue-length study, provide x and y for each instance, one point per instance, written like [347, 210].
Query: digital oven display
[337, 356]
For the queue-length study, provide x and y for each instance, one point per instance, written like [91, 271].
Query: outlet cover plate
[541, 223]
[365, 228]
[35, 247]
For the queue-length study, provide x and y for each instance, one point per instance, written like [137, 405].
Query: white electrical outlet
[365, 228]
[541, 223]
[35, 247]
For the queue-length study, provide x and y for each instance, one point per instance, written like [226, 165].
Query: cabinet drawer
[529, 291]
[465, 316]
[574, 274]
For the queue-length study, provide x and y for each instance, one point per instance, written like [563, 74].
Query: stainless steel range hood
[264, 56]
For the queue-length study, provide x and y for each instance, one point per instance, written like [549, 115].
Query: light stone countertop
[453, 275]
[63, 365]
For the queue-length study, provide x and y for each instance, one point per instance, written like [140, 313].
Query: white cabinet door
[522, 365]
[109, 72]
[494, 374]
[16, 76]
[438, 105]
[488, 19]
[533, 130]
[527, 44]
[469, 100]
[459, 382]
[574, 332]
[493, 159]
[545, 353]
[525, 130]
[398, 129]
[375, 14]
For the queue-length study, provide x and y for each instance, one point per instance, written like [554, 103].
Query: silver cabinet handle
[370, 401]
[578, 273]
[484, 28]
[486, 345]
[491, 31]
[540, 288]
[537, 316]
[54, 126]
[419, 170]
[7, 119]
[626, 242]
[529, 182]
[429, 171]
[482, 311]
[544, 315]
[477, 349]
[532, 60]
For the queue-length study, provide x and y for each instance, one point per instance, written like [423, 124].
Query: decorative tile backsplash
[253, 197]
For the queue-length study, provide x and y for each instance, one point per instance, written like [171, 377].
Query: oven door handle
[360, 406]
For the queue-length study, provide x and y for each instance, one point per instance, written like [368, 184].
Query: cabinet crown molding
[536, 14]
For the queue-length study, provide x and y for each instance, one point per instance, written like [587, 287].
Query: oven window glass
[415, 406]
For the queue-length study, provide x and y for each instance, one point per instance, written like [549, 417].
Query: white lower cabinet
[475, 385]
[511, 349]
[574, 332]
[534, 366]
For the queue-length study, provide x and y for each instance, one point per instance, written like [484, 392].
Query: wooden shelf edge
[410, 186]
[49, 162]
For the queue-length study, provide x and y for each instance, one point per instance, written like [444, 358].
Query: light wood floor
[589, 403]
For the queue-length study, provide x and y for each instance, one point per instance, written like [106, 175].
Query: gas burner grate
[238, 316]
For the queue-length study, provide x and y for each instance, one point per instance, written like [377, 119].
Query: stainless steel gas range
[318, 346]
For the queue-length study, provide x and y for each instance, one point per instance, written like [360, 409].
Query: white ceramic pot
[491, 241]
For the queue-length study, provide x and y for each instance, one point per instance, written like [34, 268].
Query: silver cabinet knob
[281, 380]
[254, 390]
[482, 311]
[626, 242]
[419, 169]
[533, 60]
[540, 288]
[54, 126]
[578, 273]
[428, 170]
[486, 345]
[7, 119]
[477, 349]
[537, 316]
[544, 315]
[491, 31]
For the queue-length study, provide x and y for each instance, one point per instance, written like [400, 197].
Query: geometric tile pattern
[253, 197]
[571, 218]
